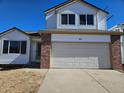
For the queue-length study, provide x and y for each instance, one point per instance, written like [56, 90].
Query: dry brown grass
[21, 80]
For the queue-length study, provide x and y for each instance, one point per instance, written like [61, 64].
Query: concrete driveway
[82, 81]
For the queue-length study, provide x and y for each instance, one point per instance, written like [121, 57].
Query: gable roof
[23, 32]
[14, 28]
[69, 1]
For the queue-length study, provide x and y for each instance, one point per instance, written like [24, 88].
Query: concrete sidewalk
[83, 81]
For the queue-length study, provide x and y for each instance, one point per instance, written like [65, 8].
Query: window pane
[82, 19]
[64, 19]
[5, 46]
[71, 19]
[23, 47]
[90, 20]
[14, 47]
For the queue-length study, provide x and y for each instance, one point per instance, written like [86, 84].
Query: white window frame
[9, 47]
[67, 19]
[86, 20]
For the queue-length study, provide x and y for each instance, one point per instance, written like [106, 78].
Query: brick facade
[45, 50]
[116, 52]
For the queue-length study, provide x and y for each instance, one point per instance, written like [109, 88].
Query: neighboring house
[76, 37]
[120, 28]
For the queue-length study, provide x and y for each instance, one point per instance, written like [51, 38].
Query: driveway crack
[98, 82]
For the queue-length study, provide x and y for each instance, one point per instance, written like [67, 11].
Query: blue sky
[28, 14]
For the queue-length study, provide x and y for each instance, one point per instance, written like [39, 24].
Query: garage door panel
[80, 55]
[76, 63]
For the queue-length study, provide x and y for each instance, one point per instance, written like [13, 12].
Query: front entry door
[38, 51]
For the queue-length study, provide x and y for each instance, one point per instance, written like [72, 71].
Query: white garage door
[80, 55]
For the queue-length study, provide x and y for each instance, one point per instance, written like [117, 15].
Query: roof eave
[90, 32]
[66, 2]
[3, 33]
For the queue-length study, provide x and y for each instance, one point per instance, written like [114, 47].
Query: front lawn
[21, 80]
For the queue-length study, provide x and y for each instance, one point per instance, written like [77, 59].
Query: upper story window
[82, 19]
[86, 19]
[17, 47]
[68, 19]
[90, 20]
[117, 30]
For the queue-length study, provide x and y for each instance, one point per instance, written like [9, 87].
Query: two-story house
[76, 36]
